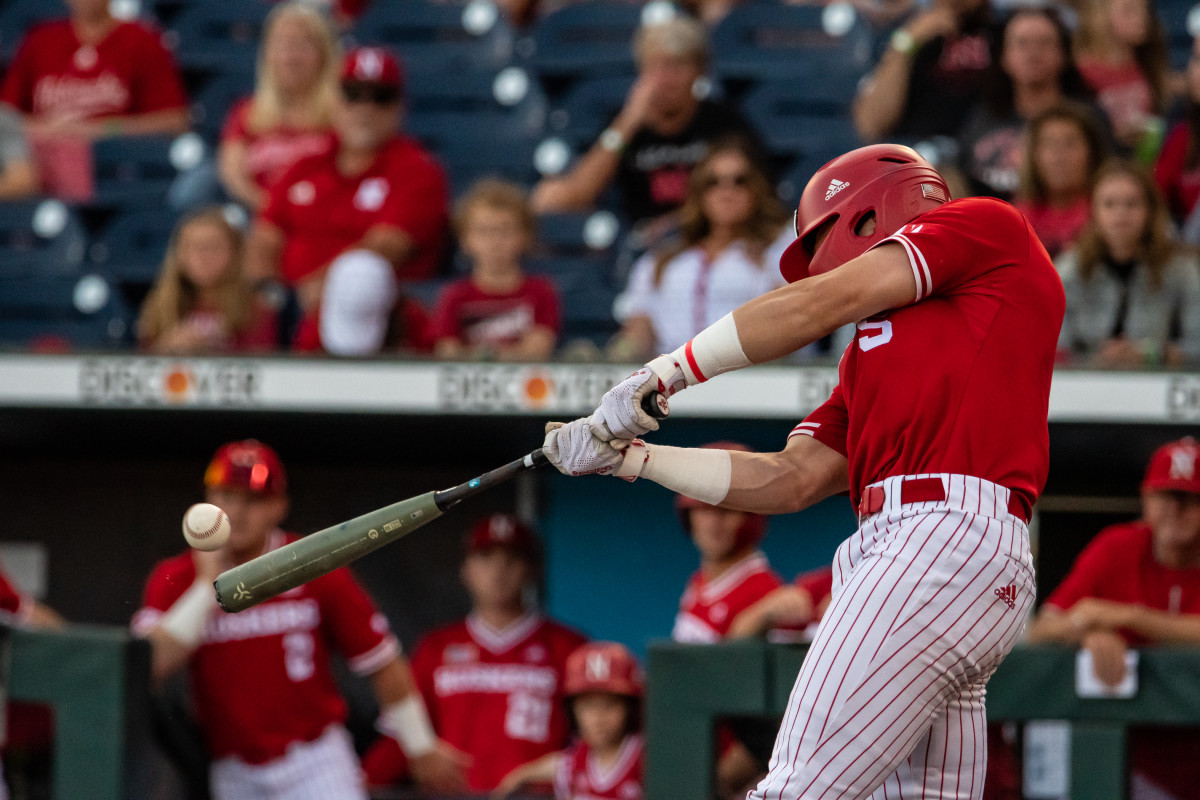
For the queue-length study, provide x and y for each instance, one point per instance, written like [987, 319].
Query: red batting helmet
[602, 667]
[753, 527]
[891, 181]
[248, 464]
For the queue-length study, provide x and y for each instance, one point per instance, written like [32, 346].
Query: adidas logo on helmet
[835, 186]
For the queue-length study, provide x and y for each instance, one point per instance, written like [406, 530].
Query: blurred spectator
[289, 116]
[1133, 296]
[1121, 50]
[1137, 584]
[359, 217]
[662, 132]
[603, 690]
[343, 12]
[493, 682]
[18, 170]
[200, 302]
[1032, 71]
[929, 76]
[793, 610]
[92, 75]
[732, 231]
[262, 682]
[1063, 149]
[1178, 168]
[499, 311]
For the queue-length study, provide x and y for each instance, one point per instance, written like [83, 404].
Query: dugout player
[1138, 584]
[493, 682]
[937, 429]
[261, 681]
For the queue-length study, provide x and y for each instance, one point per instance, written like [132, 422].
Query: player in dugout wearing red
[937, 429]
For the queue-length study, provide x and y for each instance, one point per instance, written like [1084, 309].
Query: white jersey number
[298, 656]
[882, 335]
[528, 717]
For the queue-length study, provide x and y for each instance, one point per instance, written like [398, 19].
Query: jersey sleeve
[829, 424]
[361, 632]
[547, 311]
[164, 586]
[443, 324]
[235, 128]
[818, 583]
[424, 661]
[277, 210]
[961, 241]
[158, 86]
[418, 206]
[13, 605]
[1089, 574]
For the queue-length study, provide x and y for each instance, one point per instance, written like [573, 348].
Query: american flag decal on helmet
[931, 192]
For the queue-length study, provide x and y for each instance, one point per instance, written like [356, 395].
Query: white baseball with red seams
[206, 527]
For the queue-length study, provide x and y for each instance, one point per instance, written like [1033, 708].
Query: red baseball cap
[248, 464]
[375, 65]
[503, 530]
[602, 667]
[1174, 467]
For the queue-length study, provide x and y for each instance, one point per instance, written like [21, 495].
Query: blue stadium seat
[1181, 20]
[588, 106]
[40, 236]
[219, 36]
[85, 311]
[139, 170]
[469, 154]
[438, 36]
[18, 16]
[131, 246]
[586, 39]
[763, 41]
[798, 117]
[506, 103]
[212, 103]
[594, 235]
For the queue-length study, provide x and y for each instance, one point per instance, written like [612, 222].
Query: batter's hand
[442, 770]
[574, 450]
[620, 414]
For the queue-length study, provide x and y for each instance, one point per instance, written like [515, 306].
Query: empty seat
[798, 117]
[139, 170]
[18, 16]
[131, 246]
[586, 39]
[219, 36]
[212, 103]
[78, 311]
[587, 106]
[42, 236]
[438, 36]
[504, 103]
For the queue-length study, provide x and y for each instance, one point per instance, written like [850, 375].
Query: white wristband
[184, 621]
[714, 350]
[407, 722]
[699, 473]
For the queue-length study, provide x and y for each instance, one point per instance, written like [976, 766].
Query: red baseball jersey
[497, 695]
[322, 212]
[1119, 565]
[261, 678]
[708, 607]
[14, 608]
[271, 153]
[475, 317]
[581, 777]
[959, 380]
[55, 75]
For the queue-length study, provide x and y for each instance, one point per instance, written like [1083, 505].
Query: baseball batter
[261, 680]
[937, 429]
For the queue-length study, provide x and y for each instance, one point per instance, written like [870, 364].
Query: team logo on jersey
[86, 57]
[535, 653]
[460, 653]
[1008, 594]
[371, 194]
[835, 186]
[302, 193]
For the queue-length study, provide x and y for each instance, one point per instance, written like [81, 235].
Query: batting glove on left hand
[573, 450]
[620, 414]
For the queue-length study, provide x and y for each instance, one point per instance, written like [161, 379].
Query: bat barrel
[277, 571]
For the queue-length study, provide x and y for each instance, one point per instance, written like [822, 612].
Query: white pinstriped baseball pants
[889, 703]
[324, 768]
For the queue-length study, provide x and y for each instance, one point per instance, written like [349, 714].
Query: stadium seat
[81, 311]
[469, 154]
[219, 36]
[438, 36]
[506, 103]
[212, 103]
[1181, 22]
[18, 16]
[763, 41]
[41, 236]
[797, 117]
[590, 234]
[130, 248]
[586, 39]
[587, 106]
[139, 170]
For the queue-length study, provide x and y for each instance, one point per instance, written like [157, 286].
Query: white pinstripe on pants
[889, 702]
[324, 768]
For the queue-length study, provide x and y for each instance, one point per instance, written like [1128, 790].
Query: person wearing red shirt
[498, 311]
[1137, 584]
[93, 75]
[262, 683]
[937, 430]
[492, 682]
[372, 207]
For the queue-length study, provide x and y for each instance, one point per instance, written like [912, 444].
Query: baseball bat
[301, 561]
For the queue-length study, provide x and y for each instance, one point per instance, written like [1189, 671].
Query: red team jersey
[932, 387]
[707, 608]
[261, 678]
[580, 777]
[474, 317]
[271, 153]
[496, 695]
[56, 76]
[322, 212]
[14, 608]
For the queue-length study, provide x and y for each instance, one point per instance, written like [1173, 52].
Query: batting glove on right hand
[573, 450]
[620, 414]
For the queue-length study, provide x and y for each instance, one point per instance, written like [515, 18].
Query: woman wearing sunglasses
[732, 230]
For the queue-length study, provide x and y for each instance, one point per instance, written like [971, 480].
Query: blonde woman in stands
[200, 302]
[288, 116]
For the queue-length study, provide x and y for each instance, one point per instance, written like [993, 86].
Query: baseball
[205, 526]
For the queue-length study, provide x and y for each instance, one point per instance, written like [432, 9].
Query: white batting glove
[620, 414]
[573, 450]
